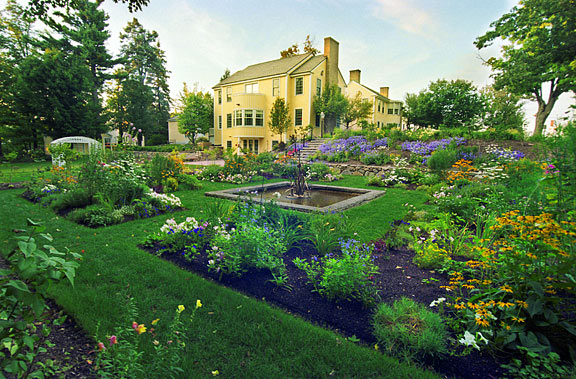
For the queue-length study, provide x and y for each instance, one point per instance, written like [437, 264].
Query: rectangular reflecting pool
[322, 198]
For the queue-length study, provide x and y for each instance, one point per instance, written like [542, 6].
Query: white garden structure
[83, 145]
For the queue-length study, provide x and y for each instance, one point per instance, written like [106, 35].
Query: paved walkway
[219, 162]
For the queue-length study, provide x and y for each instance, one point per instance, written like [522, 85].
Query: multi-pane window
[390, 110]
[250, 145]
[238, 118]
[251, 88]
[219, 122]
[298, 116]
[318, 87]
[299, 86]
[219, 97]
[275, 87]
[229, 120]
[378, 106]
[228, 144]
[228, 94]
[248, 117]
[259, 121]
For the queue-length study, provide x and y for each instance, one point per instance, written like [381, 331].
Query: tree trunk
[544, 109]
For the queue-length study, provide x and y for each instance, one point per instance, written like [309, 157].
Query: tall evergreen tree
[84, 32]
[146, 78]
[16, 44]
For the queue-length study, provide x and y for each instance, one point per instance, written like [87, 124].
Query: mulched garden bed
[398, 277]
[127, 218]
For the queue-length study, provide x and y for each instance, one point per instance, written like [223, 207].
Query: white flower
[469, 340]
[482, 338]
[277, 195]
[437, 301]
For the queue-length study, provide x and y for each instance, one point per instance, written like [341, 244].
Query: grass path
[234, 334]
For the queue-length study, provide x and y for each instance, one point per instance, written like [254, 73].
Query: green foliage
[333, 104]
[357, 110]
[325, 231]
[504, 116]
[280, 119]
[197, 115]
[442, 159]
[378, 158]
[124, 353]
[534, 55]
[445, 104]
[348, 275]
[24, 288]
[62, 153]
[408, 330]
[537, 365]
[76, 198]
[248, 246]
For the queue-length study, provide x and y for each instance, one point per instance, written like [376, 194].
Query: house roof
[270, 68]
[175, 118]
[378, 94]
[310, 64]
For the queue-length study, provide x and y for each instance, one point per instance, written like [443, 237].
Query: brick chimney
[384, 91]
[331, 53]
[355, 76]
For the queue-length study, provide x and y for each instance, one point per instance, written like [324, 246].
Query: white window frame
[251, 88]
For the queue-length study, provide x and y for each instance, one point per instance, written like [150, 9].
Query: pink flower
[113, 340]
[101, 346]
[134, 325]
[139, 130]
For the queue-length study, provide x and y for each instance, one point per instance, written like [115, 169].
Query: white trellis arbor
[80, 144]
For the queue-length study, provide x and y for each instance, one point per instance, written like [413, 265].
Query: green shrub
[442, 160]
[24, 286]
[375, 180]
[407, 330]
[170, 184]
[76, 198]
[190, 181]
[345, 276]
[378, 158]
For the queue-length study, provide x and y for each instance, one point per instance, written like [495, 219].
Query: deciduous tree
[538, 54]
[357, 110]
[197, 116]
[333, 104]
[279, 117]
[445, 104]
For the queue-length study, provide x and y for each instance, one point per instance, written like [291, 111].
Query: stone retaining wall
[360, 170]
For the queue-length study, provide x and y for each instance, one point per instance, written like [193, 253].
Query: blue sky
[402, 44]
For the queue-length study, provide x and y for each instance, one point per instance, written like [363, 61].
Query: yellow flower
[376, 347]
[482, 322]
[506, 289]
[198, 304]
[521, 303]
[181, 308]
[141, 329]
[154, 322]
[215, 373]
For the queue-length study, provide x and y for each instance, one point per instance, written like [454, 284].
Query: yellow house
[174, 135]
[385, 112]
[243, 101]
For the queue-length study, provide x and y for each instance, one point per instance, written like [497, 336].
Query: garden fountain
[298, 195]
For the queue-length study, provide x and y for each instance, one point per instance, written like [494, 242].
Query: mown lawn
[231, 333]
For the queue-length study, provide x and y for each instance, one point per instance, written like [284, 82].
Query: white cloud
[407, 16]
